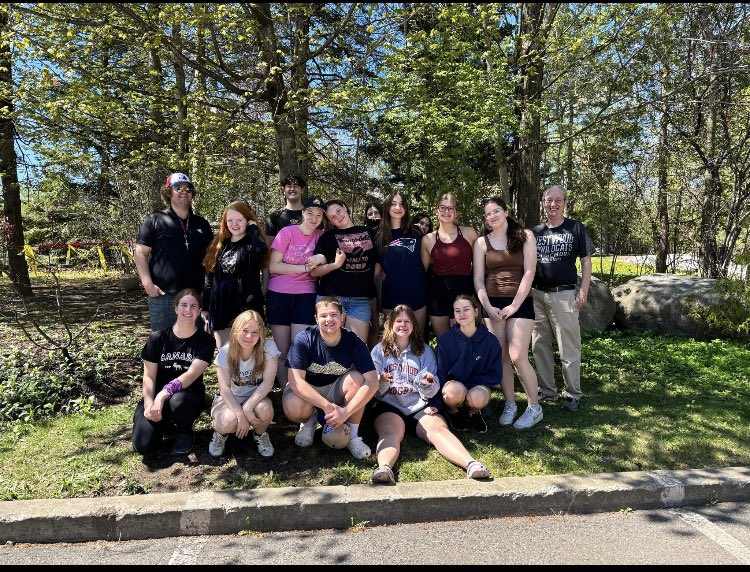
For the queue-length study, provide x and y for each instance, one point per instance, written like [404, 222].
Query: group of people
[319, 281]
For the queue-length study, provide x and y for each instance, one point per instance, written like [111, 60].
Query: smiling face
[446, 211]
[338, 216]
[465, 313]
[292, 192]
[182, 196]
[187, 309]
[236, 224]
[495, 215]
[396, 210]
[330, 319]
[402, 326]
[312, 217]
[554, 204]
[249, 335]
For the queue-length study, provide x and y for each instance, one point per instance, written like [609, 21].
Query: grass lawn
[650, 402]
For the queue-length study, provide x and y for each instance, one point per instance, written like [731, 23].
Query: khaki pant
[556, 318]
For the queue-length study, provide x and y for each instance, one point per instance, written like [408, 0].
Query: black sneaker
[571, 403]
[183, 444]
[458, 421]
[478, 424]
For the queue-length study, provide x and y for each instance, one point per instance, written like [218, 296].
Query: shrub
[35, 384]
[730, 316]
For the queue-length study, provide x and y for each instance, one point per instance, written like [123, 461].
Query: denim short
[287, 309]
[357, 308]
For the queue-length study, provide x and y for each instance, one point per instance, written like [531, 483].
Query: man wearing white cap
[170, 249]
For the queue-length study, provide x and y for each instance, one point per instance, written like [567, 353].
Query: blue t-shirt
[325, 364]
[405, 277]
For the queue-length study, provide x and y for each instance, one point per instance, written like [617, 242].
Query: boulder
[662, 302]
[599, 311]
[129, 282]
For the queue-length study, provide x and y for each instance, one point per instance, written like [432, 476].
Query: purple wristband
[173, 387]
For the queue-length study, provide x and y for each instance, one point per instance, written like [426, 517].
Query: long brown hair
[390, 347]
[384, 235]
[235, 349]
[214, 249]
[516, 234]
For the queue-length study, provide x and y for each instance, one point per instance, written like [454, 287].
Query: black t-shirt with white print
[174, 355]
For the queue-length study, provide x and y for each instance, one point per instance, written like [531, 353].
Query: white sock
[536, 407]
[354, 429]
[312, 421]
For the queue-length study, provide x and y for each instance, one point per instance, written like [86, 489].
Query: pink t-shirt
[296, 248]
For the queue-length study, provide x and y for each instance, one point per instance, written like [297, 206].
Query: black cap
[314, 201]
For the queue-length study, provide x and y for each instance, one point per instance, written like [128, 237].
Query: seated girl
[407, 379]
[246, 372]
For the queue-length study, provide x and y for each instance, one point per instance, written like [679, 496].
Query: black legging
[180, 413]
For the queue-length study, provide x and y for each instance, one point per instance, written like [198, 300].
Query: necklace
[185, 225]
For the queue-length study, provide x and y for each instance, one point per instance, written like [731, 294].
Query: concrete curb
[339, 507]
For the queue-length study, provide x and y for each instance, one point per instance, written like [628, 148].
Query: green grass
[651, 402]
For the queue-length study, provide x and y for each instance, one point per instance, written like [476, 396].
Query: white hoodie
[406, 393]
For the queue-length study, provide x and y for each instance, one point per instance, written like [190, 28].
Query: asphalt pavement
[165, 515]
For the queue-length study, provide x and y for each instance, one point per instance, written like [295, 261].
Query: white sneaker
[216, 446]
[358, 448]
[304, 437]
[530, 417]
[264, 444]
[509, 413]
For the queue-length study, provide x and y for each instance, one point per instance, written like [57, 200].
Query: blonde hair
[235, 349]
[390, 347]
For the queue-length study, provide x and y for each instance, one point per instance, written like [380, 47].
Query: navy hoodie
[473, 361]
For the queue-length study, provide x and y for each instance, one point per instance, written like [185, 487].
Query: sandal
[383, 475]
[476, 470]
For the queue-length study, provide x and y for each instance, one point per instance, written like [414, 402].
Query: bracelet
[173, 387]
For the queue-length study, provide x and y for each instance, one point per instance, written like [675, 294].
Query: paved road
[718, 534]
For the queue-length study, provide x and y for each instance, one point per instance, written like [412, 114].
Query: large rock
[599, 311]
[661, 303]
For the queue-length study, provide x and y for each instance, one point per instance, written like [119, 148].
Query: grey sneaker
[306, 433]
[509, 413]
[263, 442]
[530, 417]
[571, 403]
[547, 398]
[217, 444]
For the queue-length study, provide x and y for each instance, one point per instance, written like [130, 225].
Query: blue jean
[161, 311]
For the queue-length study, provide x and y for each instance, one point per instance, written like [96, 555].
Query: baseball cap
[176, 179]
[314, 201]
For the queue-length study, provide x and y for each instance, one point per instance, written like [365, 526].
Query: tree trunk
[536, 20]
[707, 253]
[12, 221]
[661, 234]
[276, 95]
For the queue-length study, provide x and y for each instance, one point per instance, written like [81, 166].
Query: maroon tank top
[451, 258]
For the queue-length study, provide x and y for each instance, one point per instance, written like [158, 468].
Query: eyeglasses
[444, 209]
[554, 201]
[184, 189]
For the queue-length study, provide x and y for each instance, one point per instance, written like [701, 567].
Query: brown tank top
[504, 271]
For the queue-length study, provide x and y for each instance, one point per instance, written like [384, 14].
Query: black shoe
[571, 404]
[478, 423]
[458, 421]
[183, 444]
[486, 412]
